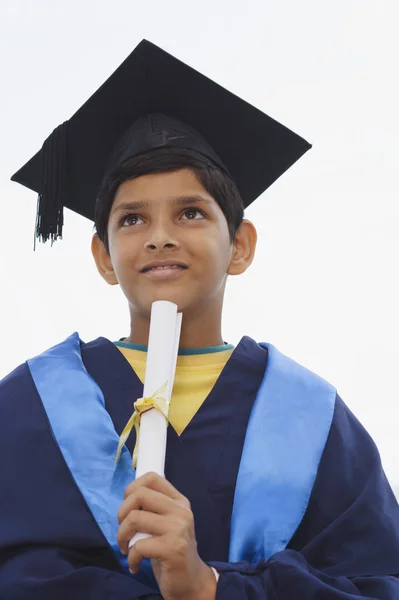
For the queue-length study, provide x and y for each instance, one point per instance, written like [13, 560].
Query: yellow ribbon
[142, 405]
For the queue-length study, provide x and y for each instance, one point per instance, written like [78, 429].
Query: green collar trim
[182, 352]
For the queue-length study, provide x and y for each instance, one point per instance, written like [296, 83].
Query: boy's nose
[161, 241]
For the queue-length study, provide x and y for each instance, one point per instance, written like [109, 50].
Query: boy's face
[168, 240]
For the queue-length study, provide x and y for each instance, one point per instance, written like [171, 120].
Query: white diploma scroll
[163, 345]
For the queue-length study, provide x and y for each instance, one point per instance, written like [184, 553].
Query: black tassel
[50, 202]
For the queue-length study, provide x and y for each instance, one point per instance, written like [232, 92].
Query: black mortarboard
[172, 105]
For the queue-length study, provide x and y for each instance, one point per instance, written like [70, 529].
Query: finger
[147, 499]
[134, 559]
[157, 483]
[140, 521]
[149, 548]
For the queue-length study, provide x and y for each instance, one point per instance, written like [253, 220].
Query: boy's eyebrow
[134, 205]
[182, 200]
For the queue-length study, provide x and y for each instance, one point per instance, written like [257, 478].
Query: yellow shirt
[196, 374]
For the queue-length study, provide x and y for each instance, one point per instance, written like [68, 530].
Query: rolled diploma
[163, 345]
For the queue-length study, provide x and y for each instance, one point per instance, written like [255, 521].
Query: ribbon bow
[142, 405]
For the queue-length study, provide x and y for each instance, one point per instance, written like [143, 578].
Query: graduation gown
[333, 534]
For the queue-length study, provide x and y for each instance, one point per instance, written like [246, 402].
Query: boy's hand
[152, 505]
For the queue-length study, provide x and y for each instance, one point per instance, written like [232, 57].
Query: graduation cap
[165, 103]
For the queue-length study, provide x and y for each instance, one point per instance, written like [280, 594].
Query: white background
[324, 287]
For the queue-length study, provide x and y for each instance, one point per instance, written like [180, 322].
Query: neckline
[182, 351]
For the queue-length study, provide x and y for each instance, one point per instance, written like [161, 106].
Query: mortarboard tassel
[50, 202]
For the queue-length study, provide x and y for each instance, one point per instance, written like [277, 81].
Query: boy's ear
[103, 260]
[244, 247]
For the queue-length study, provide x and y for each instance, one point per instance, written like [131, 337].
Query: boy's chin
[183, 303]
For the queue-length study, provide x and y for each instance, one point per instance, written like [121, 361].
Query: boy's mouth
[163, 269]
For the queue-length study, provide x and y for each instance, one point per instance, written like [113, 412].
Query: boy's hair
[163, 160]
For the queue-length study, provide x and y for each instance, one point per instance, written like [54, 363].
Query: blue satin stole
[285, 435]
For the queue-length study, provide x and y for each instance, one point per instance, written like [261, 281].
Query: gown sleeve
[50, 546]
[53, 573]
[347, 545]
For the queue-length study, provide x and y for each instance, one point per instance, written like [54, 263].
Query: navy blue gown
[51, 547]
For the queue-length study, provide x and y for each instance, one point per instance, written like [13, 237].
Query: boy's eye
[129, 220]
[193, 214]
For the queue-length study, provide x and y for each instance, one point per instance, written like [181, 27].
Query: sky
[324, 286]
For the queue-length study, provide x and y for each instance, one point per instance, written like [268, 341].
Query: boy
[272, 489]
